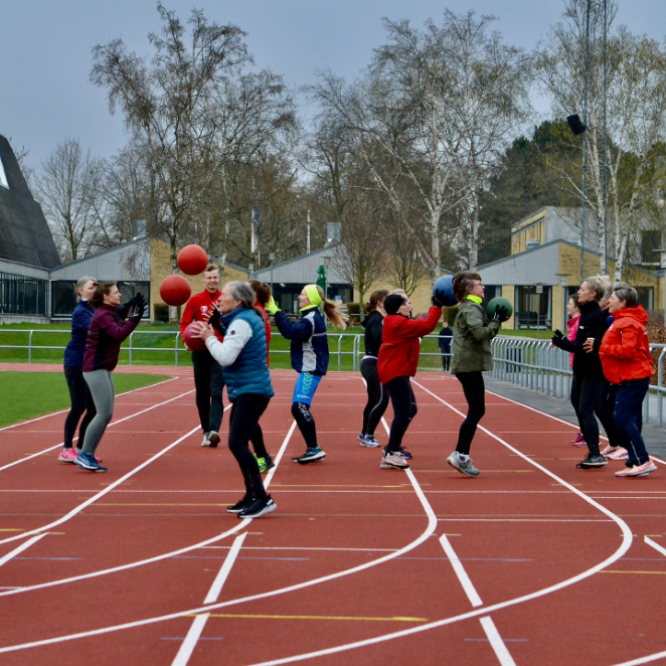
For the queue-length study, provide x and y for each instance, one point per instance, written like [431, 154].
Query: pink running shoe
[68, 456]
[608, 450]
[642, 470]
[620, 453]
[579, 439]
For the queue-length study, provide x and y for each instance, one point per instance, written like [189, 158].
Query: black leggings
[475, 394]
[590, 396]
[305, 422]
[404, 410]
[245, 415]
[378, 398]
[208, 382]
[81, 402]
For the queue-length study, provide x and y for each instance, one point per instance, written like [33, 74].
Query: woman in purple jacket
[106, 333]
[78, 389]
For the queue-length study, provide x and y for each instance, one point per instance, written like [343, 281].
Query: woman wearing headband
[309, 357]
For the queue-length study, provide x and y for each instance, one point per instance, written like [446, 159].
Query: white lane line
[58, 446]
[656, 546]
[76, 510]
[643, 660]
[20, 549]
[432, 523]
[464, 579]
[624, 546]
[496, 642]
[157, 558]
[195, 631]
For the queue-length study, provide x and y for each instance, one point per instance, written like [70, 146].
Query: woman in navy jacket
[243, 355]
[78, 389]
[309, 357]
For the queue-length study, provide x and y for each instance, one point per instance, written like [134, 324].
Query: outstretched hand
[438, 297]
[271, 307]
[216, 322]
[501, 314]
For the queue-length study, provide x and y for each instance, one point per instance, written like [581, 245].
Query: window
[533, 306]
[3, 176]
[21, 295]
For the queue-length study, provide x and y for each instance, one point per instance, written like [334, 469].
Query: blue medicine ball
[443, 289]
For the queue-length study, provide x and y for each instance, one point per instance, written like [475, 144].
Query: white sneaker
[393, 460]
[206, 439]
[213, 438]
[620, 453]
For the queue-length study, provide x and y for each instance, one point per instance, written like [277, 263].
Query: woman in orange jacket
[397, 362]
[627, 362]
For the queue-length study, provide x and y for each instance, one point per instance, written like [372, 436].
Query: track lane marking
[57, 446]
[20, 549]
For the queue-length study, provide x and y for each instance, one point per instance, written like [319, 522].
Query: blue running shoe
[88, 461]
[405, 454]
[315, 454]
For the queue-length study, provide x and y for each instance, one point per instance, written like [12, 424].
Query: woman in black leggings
[472, 333]
[377, 399]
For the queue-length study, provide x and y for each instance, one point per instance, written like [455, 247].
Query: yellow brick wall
[519, 238]
[160, 267]
[509, 292]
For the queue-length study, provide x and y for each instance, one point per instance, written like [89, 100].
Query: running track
[534, 562]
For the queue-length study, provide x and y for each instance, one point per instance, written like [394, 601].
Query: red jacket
[199, 308]
[401, 344]
[267, 326]
[625, 349]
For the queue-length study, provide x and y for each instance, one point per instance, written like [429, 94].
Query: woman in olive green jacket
[472, 333]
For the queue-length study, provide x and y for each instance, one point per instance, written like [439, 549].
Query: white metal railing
[533, 364]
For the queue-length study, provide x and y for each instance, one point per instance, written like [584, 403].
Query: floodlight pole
[586, 86]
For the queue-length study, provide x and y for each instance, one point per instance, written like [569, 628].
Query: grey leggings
[100, 384]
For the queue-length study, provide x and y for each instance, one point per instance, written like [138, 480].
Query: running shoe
[642, 470]
[260, 507]
[361, 437]
[78, 452]
[393, 460]
[68, 456]
[206, 441]
[315, 454]
[265, 463]
[593, 461]
[405, 454]
[213, 439]
[608, 450]
[241, 505]
[87, 461]
[370, 442]
[464, 467]
[620, 453]
[579, 440]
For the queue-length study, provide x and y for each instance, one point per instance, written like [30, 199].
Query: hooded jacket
[592, 324]
[373, 325]
[401, 344]
[625, 349]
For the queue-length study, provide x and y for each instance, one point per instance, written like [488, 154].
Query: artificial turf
[26, 395]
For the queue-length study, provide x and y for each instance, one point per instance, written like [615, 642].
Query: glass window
[533, 306]
[3, 176]
[21, 295]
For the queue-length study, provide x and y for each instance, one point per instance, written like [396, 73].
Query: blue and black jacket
[76, 347]
[309, 342]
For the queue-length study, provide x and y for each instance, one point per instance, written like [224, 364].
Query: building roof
[303, 270]
[25, 236]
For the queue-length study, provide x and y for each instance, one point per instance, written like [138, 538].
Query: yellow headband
[313, 294]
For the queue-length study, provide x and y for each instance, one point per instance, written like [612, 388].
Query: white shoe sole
[317, 457]
[269, 509]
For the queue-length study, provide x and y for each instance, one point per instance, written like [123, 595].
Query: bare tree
[66, 187]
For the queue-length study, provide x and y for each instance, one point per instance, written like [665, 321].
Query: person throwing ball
[397, 362]
[472, 332]
[208, 375]
[309, 357]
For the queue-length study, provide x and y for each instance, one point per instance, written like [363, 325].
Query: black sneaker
[240, 506]
[593, 461]
[311, 455]
[259, 507]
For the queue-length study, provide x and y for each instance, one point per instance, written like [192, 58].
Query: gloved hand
[501, 314]
[557, 337]
[138, 306]
[216, 322]
[437, 298]
[271, 307]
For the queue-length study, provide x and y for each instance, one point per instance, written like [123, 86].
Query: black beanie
[393, 302]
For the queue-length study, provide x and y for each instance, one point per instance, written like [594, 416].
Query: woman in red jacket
[397, 362]
[627, 363]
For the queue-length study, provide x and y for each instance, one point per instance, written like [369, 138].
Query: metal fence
[533, 364]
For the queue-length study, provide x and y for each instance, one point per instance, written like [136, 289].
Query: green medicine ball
[499, 300]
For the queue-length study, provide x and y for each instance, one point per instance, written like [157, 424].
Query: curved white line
[157, 558]
[624, 546]
[57, 446]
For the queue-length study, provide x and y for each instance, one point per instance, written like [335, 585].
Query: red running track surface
[534, 562]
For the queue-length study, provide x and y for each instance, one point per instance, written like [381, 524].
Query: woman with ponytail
[377, 398]
[309, 357]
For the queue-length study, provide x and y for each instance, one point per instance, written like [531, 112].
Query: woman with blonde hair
[309, 357]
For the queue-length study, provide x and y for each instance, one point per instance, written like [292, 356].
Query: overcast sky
[45, 49]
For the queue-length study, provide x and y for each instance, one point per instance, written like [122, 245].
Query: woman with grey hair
[79, 394]
[627, 363]
[589, 388]
[248, 381]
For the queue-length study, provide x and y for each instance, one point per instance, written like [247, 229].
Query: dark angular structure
[24, 234]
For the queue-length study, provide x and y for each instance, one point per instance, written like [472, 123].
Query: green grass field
[154, 345]
[26, 395]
